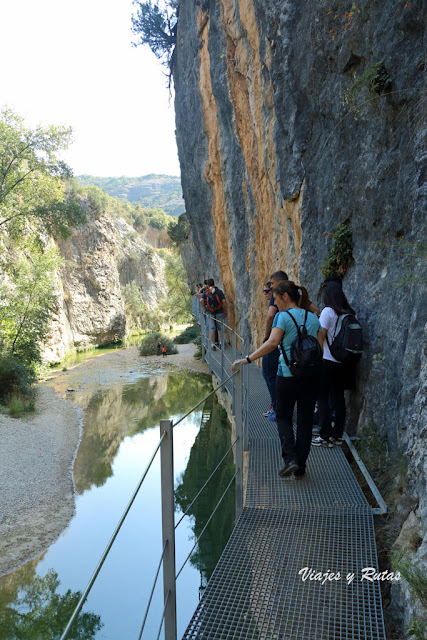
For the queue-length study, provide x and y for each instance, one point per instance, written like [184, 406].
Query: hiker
[293, 304]
[270, 361]
[158, 347]
[214, 303]
[164, 351]
[336, 375]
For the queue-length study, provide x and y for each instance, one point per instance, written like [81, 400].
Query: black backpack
[306, 353]
[213, 301]
[347, 341]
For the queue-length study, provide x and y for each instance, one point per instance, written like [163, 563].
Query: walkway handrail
[108, 547]
[168, 553]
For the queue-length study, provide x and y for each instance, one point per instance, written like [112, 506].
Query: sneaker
[321, 442]
[299, 473]
[288, 469]
[272, 417]
[213, 347]
[337, 441]
[267, 413]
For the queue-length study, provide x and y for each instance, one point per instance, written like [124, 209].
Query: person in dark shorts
[214, 303]
[158, 347]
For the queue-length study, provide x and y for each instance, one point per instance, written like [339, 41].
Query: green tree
[177, 304]
[179, 231]
[27, 299]
[32, 187]
[42, 614]
[156, 27]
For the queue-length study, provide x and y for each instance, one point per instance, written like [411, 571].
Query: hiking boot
[267, 413]
[272, 416]
[321, 442]
[288, 469]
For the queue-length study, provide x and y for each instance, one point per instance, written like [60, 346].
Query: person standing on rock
[164, 351]
[293, 304]
[158, 347]
[214, 303]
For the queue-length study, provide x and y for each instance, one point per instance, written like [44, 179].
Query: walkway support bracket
[168, 529]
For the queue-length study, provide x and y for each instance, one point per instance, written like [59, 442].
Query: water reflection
[123, 402]
[209, 448]
[125, 410]
[39, 612]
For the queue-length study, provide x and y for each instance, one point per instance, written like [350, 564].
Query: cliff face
[293, 117]
[98, 260]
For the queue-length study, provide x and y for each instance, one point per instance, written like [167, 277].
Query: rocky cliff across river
[100, 258]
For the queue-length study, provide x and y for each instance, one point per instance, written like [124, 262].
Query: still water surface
[122, 405]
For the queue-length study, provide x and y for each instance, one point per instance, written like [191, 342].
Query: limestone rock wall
[275, 153]
[98, 260]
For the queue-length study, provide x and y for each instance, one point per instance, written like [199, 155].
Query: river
[122, 405]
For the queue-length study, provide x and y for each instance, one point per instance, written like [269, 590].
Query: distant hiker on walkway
[164, 352]
[158, 347]
[214, 303]
[298, 376]
[338, 371]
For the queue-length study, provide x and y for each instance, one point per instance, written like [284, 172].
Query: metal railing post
[239, 443]
[233, 357]
[246, 407]
[168, 529]
[222, 352]
[202, 330]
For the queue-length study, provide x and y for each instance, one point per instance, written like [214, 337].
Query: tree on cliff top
[33, 192]
[156, 25]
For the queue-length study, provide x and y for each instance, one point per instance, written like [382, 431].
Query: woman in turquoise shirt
[291, 300]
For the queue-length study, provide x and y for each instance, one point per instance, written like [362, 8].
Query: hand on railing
[236, 362]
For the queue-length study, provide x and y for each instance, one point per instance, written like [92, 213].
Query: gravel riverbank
[36, 463]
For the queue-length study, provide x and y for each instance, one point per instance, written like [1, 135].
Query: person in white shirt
[335, 375]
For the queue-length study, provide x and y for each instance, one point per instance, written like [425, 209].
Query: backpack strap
[285, 357]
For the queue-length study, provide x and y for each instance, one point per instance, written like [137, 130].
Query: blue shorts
[219, 316]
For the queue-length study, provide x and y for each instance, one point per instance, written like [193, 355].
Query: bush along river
[122, 405]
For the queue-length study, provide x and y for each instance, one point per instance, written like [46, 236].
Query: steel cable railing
[108, 547]
[206, 483]
[152, 591]
[205, 527]
[163, 614]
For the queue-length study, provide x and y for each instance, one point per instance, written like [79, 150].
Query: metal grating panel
[329, 480]
[256, 592]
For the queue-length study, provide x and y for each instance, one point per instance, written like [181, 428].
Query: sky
[73, 63]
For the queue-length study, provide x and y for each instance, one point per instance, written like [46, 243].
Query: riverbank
[37, 455]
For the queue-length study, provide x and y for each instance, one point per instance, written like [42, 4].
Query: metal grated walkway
[322, 522]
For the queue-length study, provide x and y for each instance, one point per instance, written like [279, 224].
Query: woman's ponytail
[297, 294]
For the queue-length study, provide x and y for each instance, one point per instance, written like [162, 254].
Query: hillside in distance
[149, 191]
